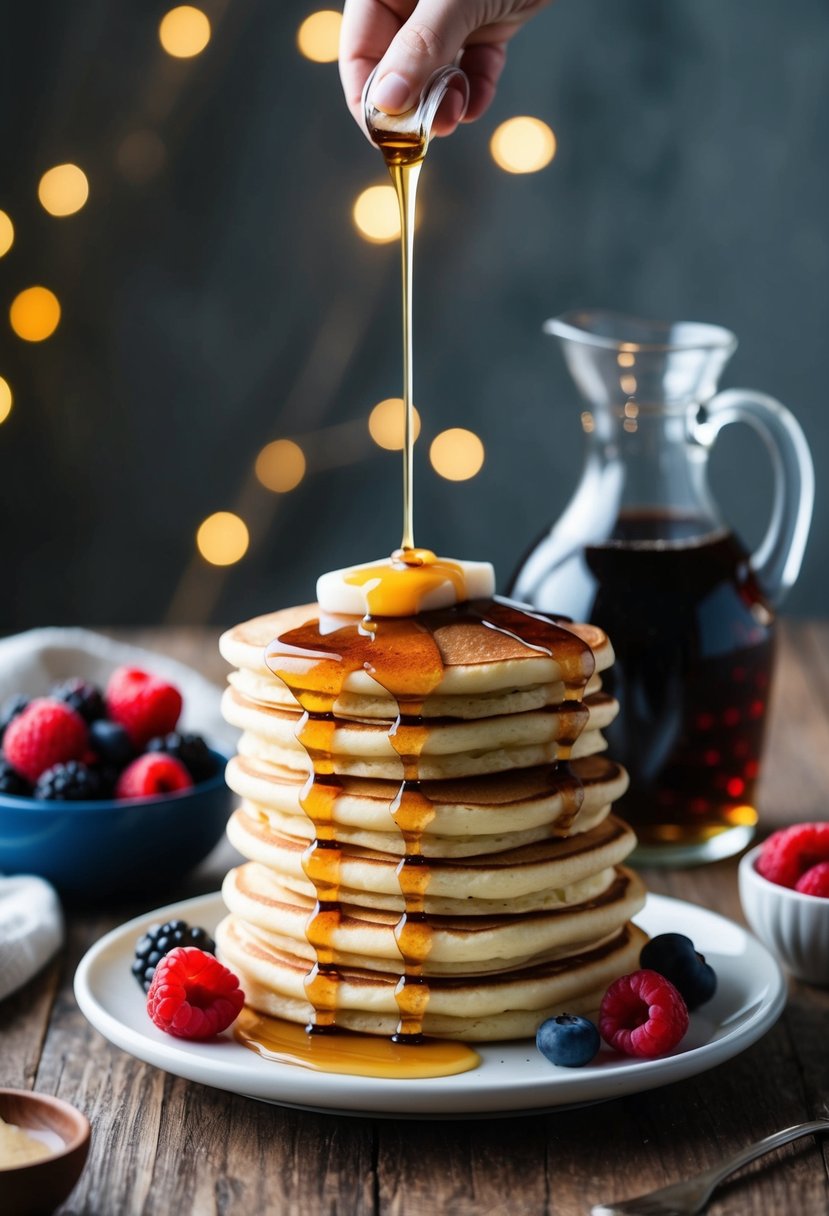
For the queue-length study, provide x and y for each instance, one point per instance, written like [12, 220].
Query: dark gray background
[227, 300]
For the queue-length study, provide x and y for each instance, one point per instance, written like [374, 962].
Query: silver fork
[688, 1198]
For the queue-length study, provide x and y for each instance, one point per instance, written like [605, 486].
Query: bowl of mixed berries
[784, 890]
[100, 792]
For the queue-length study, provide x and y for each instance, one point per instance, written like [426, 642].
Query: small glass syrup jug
[641, 551]
[416, 123]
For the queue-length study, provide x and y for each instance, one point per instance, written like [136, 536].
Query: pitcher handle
[777, 559]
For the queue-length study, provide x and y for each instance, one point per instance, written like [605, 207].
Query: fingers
[368, 28]
[407, 40]
[450, 112]
[483, 64]
[431, 37]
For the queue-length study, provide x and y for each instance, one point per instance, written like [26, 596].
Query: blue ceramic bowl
[91, 850]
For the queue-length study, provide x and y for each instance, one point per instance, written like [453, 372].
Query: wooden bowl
[41, 1186]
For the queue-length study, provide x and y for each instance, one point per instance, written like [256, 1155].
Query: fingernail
[391, 93]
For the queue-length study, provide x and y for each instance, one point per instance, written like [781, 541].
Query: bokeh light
[457, 454]
[6, 233]
[223, 538]
[377, 214]
[318, 38]
[184, 31]
[280, 466]
[5, 399]
[63, 190]
[522, 145]
[35, 314]
[386, 424]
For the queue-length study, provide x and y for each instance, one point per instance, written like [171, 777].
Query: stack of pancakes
[524, 899]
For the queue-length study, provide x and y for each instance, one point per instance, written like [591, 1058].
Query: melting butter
[407, 583]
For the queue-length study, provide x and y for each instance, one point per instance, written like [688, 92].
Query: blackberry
[10, 708]
[107, 775]
[11, 782]
[160, 940]
[673, 955]
[191, 750]
[69, 782]
[85, 698]
[111, 742]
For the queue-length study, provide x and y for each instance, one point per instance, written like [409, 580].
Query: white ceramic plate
[513, 1078]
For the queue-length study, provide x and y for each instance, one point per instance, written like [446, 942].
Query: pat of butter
[404, 584]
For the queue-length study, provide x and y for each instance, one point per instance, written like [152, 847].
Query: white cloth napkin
[31, 924]
[31, 929]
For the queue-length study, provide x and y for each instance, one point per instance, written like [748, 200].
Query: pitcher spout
[615, 359]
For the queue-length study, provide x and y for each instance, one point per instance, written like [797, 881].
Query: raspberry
[11, 782]
[46, 733]
[87, 699]
[159, 940]
[643, 1015]
[815, 881]
[192, 995]
[152, 774]
[69, 782]
[143, 704]
[191, 750]
[789, 853]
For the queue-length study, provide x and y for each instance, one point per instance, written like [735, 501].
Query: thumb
[431, 38]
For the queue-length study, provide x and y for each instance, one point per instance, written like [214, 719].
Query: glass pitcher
[641, 550]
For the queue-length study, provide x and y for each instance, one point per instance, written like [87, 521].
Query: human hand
[410, 39]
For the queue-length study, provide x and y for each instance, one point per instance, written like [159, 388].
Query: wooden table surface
[163, 1145]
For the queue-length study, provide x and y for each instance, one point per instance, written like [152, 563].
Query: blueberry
[568, 1040]
[111, 742]
[674, 956]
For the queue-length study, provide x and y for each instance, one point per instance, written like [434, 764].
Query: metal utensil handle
[718, 1173]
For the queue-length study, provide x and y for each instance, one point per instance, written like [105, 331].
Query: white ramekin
[795, 927]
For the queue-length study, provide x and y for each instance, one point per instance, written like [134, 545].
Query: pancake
[549, 874]
[507, 1006]
[392, 842]
[365, 937]
[430, 846]
[270, 691]
[516, 801]
[476, 659]
[442, 737]
[430, 768]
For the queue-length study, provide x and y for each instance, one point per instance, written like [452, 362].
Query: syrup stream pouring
[403, 139]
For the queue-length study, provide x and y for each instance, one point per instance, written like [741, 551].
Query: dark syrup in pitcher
[694, 642]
